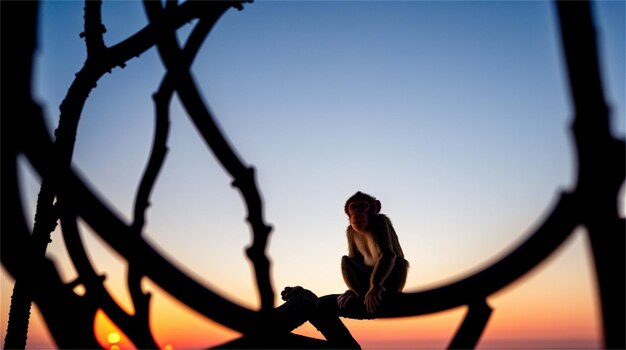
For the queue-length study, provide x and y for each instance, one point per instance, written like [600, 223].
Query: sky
[455, 114]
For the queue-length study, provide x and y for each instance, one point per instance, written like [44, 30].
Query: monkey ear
[377, 206]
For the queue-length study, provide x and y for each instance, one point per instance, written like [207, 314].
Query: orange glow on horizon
[555, 306]
[176, 326]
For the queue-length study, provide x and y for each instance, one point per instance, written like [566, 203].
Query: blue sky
[454, 114]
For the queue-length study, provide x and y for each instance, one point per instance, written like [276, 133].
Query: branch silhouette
[243, 176]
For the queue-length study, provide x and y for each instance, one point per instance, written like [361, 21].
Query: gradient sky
[454, 114]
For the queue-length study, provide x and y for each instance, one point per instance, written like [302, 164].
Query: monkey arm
[383, 268]
[384, 235]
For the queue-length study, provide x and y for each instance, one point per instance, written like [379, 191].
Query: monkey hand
[373, 298]
[343, 299]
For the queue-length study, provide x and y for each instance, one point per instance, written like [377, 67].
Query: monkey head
[360, 208]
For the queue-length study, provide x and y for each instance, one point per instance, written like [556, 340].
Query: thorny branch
[204, 121]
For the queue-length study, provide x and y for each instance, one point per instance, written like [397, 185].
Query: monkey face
[359, 212]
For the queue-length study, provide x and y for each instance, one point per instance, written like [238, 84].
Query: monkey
[375, 262]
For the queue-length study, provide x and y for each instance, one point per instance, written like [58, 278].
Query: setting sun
[108, 335]
[114, 338]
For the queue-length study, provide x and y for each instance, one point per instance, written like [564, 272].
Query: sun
[114, 338]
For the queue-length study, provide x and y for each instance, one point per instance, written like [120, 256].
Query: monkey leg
[397, 278]
[356, 275]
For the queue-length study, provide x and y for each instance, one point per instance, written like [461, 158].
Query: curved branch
[602, 166]
[157, 157]
[243, 176]
[137, 251]
[162, 99]
[137, 326]
[473, 325]
[134, 249]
